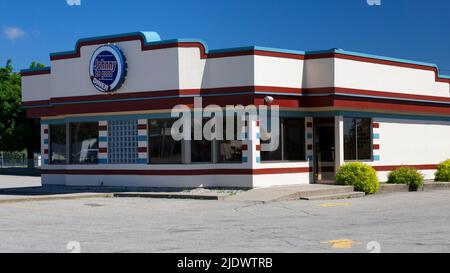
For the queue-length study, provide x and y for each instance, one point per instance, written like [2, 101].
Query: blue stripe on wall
[142, 161]
[142, 138]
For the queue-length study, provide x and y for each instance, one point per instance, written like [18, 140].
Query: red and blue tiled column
[309, 138]
[45, 158]
[376, 141]
[142, 141]
[251, 144]
[103, 142]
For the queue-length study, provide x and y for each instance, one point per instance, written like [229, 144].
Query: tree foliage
[17, 132]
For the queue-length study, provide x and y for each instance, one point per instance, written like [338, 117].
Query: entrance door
[324, 150]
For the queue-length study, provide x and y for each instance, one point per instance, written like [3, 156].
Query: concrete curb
[436, 186]
[391, 188]
[427, 186]
[55, 197]
[171, 195]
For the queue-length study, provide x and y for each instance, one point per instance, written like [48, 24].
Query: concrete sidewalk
[296, 192]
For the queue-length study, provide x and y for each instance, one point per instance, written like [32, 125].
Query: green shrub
[406, 175]
[443, 171]
[362, 176]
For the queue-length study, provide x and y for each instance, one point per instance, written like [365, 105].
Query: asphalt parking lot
[399, 222]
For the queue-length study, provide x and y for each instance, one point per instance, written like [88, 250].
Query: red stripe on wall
[165, 93]
[181, 172]
[102, 150]
[378, 61]
[103, 128]
[204, 55]
[258, 147]
[376, 146]
[142, 149]
[310, 147]
[142, 127]
[200, 46]
[375, 125]
[46, 151]
[376, 104]
[45, 131]
[35, 72]
[373, 93]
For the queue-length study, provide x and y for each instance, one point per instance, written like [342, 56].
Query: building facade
[105, 113]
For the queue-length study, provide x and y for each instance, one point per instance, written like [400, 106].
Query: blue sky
[408, 29]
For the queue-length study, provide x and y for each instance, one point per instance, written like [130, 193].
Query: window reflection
[163, 148]
[357, 138]
[84, 142]
[58, 144]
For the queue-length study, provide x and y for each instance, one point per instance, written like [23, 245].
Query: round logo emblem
[107, 68]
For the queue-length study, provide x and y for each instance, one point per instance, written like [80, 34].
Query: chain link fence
[18, 160]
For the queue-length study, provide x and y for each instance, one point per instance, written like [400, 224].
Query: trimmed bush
[443, 171]
[406, 175]
[362, 176]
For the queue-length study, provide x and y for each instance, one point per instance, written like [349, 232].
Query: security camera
[268, 99]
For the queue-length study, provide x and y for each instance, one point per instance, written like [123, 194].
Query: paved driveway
[410, 222]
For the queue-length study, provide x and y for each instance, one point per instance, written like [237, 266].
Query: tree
[17, 132]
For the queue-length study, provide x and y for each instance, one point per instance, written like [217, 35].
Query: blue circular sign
[107, 68]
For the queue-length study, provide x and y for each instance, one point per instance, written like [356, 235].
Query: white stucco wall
[388, 78]
[147, 71]
[412, 142]
[183, 68]
[319, 73]
[280, 72]
[35, 88]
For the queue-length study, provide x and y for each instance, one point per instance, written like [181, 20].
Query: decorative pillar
[376, 141]
[338, 142]
[251, 144]
[309, 139]
[103, 142]
[142, 141]
[45, 158]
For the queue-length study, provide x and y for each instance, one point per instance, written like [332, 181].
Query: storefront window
[84, 143]
[291, 141]
[57, 144]
[200, 149]
[229, 151]
[357, 138]
[163, 148]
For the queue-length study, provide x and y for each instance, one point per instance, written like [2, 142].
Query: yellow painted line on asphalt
[341, 243]
[328, 205]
